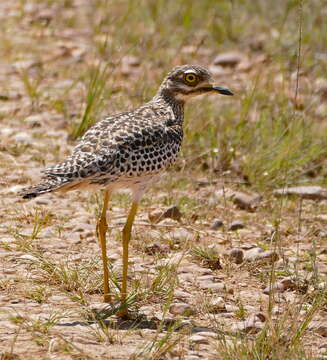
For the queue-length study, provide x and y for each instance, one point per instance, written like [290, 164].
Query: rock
[246, 202]
[268, 255]
[231, 308]
[216, 305]
[236, 255]
[253, 253]
[322, 217]
[231, 59]
[212, 262]
[195, 356]
[257, 254]
[208, 277]
[179, 235]
[157, 248]
[205, 332]
[23, 138]
[99, 307]
[205, 182]
[242, 284]
[216, 224]
[45, 16]
[257, 42]
[176, 258]
[199, 339]
[319, 328]
[130, 65]
[193, 269]
[36, 120]
[236, 225]
[186, 277]
[59, 299]
[245, 65]
[13, 189]
[225, 193]
[131, 60]
[4, 97]
[6, 132]
[217, 70]
[253, 324]
[171, 212]
[282, 285]
[182, 295]
[42, 201]
[248, 327]
[181, 309]
[321, 267]
[29, 258]
[306, 192]
[209, 285]
[9, 271]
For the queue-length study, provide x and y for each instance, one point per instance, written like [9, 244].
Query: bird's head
[187, 81]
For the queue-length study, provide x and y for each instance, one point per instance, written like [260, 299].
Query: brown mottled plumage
[128, 150]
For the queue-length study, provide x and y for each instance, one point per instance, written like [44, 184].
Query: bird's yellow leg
[101, 233]
[126, 238]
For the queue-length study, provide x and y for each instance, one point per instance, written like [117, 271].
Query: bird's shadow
[136, 320]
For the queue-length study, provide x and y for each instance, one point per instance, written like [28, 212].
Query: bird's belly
[138, 169]
[135, 181]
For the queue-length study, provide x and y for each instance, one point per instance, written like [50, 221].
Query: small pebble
[257, 253]
[319, 328]
[180, 294]
[236, 255]
[28, 257]
[217, 224]
[306, 192]
[216, 305]
[231, 308]
[236, 225]
[282, 285]
[253, 324]
[181, 309]
[171, 212]
[231, 58]
[157, 248]
[179, 236]
[199, 339]
[208, 285]
[246, 202]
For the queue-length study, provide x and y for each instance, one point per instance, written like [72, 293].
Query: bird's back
[122, 148]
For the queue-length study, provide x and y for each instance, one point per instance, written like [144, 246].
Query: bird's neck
[172, 103]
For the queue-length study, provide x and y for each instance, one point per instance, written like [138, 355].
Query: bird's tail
[48, 184]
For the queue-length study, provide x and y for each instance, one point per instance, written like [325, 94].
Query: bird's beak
[222, 90]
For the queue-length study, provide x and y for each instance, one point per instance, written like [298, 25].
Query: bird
[129, 150]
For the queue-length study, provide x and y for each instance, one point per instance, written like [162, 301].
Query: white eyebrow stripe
[190, 72]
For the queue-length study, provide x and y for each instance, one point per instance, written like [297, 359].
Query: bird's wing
[106, 141]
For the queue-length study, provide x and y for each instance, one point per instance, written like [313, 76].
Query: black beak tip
[223, 91]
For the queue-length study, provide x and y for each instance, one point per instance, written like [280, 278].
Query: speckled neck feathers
[165, 100]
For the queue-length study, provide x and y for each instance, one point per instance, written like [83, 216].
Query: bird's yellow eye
[190, 78]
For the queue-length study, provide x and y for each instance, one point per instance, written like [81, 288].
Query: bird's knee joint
[126, 230]
[102, 223]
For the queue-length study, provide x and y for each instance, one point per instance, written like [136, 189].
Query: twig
[299, 50]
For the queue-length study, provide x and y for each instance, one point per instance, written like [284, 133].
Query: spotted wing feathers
[128, 145]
